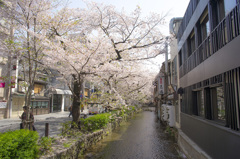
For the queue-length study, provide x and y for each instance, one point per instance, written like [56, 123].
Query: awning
[60, 91]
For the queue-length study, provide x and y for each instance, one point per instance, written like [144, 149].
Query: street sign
[161, 85]
[3, 104]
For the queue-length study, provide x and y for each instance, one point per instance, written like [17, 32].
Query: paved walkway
[7, 122]
[54, 120]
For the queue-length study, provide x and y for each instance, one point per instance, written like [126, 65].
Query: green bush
[121, 113]
[133, 108]
[21, 144]
[45, 144]
[95, 122]
[70, 129]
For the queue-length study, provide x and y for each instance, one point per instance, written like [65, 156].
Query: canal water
[140, 138]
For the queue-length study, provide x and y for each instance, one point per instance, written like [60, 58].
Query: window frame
[191, 43]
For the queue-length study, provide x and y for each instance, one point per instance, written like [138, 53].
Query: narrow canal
[141, 138]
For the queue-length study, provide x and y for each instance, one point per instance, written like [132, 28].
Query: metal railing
[187, 16]
[224, 32]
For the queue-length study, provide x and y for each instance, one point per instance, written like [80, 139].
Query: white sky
[174, 8]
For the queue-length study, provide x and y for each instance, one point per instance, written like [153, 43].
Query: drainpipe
[166, 65]
[171, 25]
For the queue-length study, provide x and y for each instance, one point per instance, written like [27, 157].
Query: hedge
[95, 122]
[21, 144]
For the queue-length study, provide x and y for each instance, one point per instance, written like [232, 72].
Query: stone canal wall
[77, 148]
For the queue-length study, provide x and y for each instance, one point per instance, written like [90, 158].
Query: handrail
[223, 33]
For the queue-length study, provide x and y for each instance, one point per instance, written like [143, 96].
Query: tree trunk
[76, 101]
[8, 88]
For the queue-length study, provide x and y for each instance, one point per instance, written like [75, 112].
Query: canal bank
[74, 146]
[142, 137]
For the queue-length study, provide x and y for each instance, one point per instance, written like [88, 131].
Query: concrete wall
[189, 148]
[216, 140]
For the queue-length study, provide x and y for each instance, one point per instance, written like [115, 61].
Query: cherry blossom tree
[24, 19]
[98, 44]
[102, 45]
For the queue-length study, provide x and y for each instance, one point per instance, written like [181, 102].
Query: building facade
[209, 75]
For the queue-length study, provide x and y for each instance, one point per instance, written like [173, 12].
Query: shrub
[121, 113]
[70, 129]
[133, 108]
[45, 144]
[95, 122]
[20, 144]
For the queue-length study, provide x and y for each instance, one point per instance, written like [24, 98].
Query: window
[198, 103]
[180, 58]
[38, 88]
[174, 71]
[220, 104]
[229, 5]
[215, 109]
[204, 23]
[191, 43]
[86, 92]
[220, 9]
[200, 100]
[203, 32]
[39, 104]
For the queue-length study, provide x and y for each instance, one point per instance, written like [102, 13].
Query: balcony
[227, 30]
[187, 16]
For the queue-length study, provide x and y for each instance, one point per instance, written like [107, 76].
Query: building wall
[206, 68]
[216, 140]
[194, 17]
[17, 106]
[223, 60]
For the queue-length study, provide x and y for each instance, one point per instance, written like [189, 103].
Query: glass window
[86, 92]
[34, 104]
[229, 5]
[38, 88]
[191, 43]
[39, 104]
[45, 104]
[180, 58]
[220, 104]
[201, 103]
[205, 28]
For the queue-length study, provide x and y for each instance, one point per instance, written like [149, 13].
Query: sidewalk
[11, 121]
